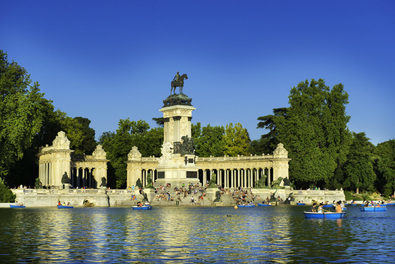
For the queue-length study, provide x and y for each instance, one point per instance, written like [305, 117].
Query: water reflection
[196, 235]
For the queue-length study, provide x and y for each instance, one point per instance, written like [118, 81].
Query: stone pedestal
[177, 168]
[177, 122]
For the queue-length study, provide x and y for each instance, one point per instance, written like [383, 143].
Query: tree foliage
[22, 113]
[208, 140]
[314, 131]
[81, 136]
[6, 196]
[118, 144]
[359, 174]
[237, 141]
[268, 142]
[29, 121]
[384, 167]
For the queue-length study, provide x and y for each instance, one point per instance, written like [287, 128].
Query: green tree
[81, 136]
[118, 144]
[237, 141]
[359, 167]
[384, 167]
[314, 131]
[22, 114]
[208, 140]
[268, 142]
[6, 195]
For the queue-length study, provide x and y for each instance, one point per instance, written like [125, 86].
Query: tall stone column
[248, 178]
[244, 179]
[204, 177]
[239, 178]
[226, 178]
[234, 183]
[268, 177]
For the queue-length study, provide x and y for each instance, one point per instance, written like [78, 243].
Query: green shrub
[6, 196]
[38, 184]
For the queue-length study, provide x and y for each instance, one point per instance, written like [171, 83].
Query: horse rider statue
[178, 81]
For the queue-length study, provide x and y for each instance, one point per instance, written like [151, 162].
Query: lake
[194, 235]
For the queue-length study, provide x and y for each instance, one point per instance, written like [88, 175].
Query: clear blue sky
[115, 59]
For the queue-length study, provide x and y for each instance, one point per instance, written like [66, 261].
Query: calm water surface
[194, 235]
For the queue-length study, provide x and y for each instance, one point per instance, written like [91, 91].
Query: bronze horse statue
[178, 82]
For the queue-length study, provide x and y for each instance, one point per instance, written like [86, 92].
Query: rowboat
[246, 205]
[374, 209]
[65, 206]
[144, 207]
[326, 215]
[300, 204]
[17, 206]
[261, 204]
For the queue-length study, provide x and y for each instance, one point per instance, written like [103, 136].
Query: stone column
[244, 178]
[238, 178]
[234, 178]
[256, 175]
[249, 178]
[268, 177]
[232, 181]
[204, 177]
[226, 178]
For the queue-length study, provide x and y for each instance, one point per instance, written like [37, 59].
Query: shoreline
[125, 197]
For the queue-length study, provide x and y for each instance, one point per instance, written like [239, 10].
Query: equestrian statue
[178, 81]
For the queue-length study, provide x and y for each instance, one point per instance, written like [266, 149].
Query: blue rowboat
[300, 204]
[144, 207]
[374, 209]
[65, 206]
[352, 204]
[261, 204]
[326, 215]
[328, 206]
[17, 206]
[390, 204]
[247, 205]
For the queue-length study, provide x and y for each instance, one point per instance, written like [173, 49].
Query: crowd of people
[192, 192]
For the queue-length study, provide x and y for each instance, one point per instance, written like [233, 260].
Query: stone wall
[76, 197]
[102, 197]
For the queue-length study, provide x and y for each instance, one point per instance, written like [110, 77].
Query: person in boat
[320, 208]
[139, 204]
[338, 207]
[314, 209]
[59, 202]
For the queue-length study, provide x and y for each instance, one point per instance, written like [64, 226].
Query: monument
[177, 163]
